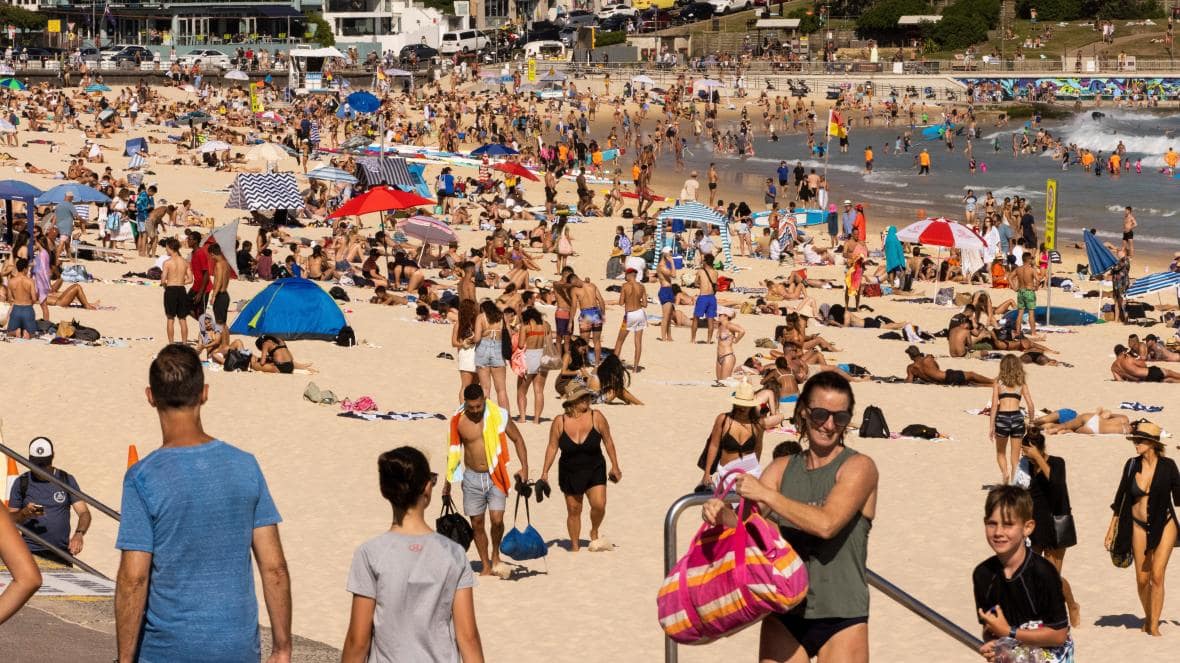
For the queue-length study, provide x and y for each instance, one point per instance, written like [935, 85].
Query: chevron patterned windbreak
[264, 191]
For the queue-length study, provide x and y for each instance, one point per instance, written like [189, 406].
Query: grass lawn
[1065, 39]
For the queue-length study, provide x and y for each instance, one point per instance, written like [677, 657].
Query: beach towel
[391, 416]
[1136, 406]
[894, 251]
[495, 445]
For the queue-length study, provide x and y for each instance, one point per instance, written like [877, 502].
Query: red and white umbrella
[427, 230]
[941, 231]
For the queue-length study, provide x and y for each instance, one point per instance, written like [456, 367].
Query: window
[363, 27]
[496, 9]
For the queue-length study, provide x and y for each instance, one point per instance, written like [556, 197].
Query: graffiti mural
[1078, 88]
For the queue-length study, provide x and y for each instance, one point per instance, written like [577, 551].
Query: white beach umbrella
[237, 75]
[266, 152]
[213, 146]
[705, 83]
[644, 79]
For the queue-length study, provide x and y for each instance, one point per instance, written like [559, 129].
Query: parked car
[697, 11]
[35, 52]
[544, 31]
[208, 57]
[728, 6]
[416, 53]
[129, 54]
[619, 9]
[107, 53]
[462, 41]
[616, 22]
[89, 54]
[580, 18]
[568, 35]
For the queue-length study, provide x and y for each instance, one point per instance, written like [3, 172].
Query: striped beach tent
[332, 174]
[375, 171]
[264, 191]
[1153, 283]
[693, 212]
[136, 161]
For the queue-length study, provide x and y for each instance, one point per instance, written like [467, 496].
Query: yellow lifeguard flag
[835, 123]
[255, 99]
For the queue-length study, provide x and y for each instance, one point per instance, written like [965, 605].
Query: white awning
[915, 19]
[329, 52]
[770, 23]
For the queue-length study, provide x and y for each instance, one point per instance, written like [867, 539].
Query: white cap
[41, 447]
[666, 249]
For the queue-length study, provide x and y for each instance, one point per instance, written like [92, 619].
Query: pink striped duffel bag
[729, 579]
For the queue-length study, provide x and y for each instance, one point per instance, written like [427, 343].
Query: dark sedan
[416, 53]
[697, 11]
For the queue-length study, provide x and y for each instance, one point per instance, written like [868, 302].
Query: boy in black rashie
[1017, 592]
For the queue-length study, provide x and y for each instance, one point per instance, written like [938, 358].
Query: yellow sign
[54, 26]
[255, 100]
[1051, 215]
[532, 70]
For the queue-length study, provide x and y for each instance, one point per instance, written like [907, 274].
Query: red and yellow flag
[835, 123]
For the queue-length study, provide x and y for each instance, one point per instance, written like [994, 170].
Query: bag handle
[516, 511]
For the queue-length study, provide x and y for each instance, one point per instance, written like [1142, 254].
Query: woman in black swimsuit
[1144, 521]
[1050, 499]
[736, 434]
[580, 435]
[276, 357]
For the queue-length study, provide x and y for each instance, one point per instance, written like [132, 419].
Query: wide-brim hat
[1144, 430]
[575, 392]
[743, 396]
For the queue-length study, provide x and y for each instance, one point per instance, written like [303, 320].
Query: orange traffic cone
[13, 473]
[132, 455]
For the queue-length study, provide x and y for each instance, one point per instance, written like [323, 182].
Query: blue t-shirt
[64, 215]
[1005, 232]
[784, 173]
[54, 526]
[195, 510]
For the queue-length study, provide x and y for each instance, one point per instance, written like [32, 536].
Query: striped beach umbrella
[331, 174]
[427, 230]
[1153, 283]
[941, 231]
[12, 84]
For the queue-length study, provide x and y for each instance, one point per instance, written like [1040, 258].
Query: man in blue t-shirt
[44, 507]
[192, 512]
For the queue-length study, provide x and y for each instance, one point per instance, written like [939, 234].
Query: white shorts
[635, 320]
[532, 360]
[466, 359]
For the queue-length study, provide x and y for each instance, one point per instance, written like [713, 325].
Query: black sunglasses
[819, 416]
[434, 477]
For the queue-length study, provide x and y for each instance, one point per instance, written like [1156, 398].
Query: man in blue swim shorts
[706, 304]
[666, 273]
[22, 321]
[588, 300]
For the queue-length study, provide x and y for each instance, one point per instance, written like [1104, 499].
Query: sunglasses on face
[818, 416]
[434, 477]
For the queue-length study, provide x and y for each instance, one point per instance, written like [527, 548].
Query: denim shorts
[489, 353]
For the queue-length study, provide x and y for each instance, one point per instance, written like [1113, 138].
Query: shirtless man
[550, 191]
[563, 294]
[706, 302]
[1024, 281]
[588, 301]
[176, 276]
[633, 299]
[1129, 225]
[22, 320]
[481, 495]
[666, 274]
[155, 223]
[467, 282]
[221, 274]
[925, 368]
[1156, 351]
[712, 183]
[963, 338]
[1131, 369]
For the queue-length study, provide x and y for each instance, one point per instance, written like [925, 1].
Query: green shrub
[1122, 8]
[808, 23]
[609, 38]
[323, 32]
[959, 31]
[882, 15]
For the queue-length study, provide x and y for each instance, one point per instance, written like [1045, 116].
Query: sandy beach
[585, 606]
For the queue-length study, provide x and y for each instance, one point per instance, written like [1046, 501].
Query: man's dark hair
[472, 392]
[215, 249]
[176, 377]
[22, 264]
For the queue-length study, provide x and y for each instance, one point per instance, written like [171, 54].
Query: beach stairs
[72, 620]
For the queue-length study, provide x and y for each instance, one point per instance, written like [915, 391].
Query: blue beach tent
[291, 309]
[135, 146]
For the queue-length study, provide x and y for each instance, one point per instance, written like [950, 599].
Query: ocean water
[1084, 201]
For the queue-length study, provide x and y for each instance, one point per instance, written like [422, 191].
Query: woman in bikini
[463, 340]
[576, 367]
[489, 356]
[275, 357]
[534, 332]
[728, 334]
[581, 434]
[1144, 522]
[1101, 422]
[735, 442]
[613, 380]
[1007, 421]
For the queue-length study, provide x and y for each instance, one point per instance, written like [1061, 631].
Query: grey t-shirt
[414, 580]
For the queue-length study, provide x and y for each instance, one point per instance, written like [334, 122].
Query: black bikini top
[729, 443]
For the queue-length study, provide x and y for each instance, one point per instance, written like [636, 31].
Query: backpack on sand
[873, 424]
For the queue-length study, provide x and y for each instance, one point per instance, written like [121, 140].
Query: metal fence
[854, 68]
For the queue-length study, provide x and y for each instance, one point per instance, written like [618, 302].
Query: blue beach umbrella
[97, 87]
[1153, 283]
[82, 194]
[493, 150]
[12, 84]
[363, 102]
[1100, 258]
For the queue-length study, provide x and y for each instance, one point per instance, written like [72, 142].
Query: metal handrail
[63, 554]
[877, 582]
[4, 449]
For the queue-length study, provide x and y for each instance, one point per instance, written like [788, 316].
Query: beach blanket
[1136, 406]
[391, 416]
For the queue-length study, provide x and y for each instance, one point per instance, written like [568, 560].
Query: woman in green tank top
[824, 500]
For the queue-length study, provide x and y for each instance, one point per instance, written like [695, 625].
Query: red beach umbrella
[516, 169]
[381, 199]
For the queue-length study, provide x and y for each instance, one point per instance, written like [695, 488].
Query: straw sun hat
[743, 396]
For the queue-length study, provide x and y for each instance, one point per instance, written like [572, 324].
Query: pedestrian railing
[882, 585]
[855, 68]
[78, 494]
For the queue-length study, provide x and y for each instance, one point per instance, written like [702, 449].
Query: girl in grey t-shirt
[412, 588]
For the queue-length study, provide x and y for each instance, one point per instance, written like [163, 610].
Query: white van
[462, 41]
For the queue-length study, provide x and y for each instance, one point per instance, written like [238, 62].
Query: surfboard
[802, 217]
[1065, 317]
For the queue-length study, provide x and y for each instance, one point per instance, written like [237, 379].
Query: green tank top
[836, 566]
